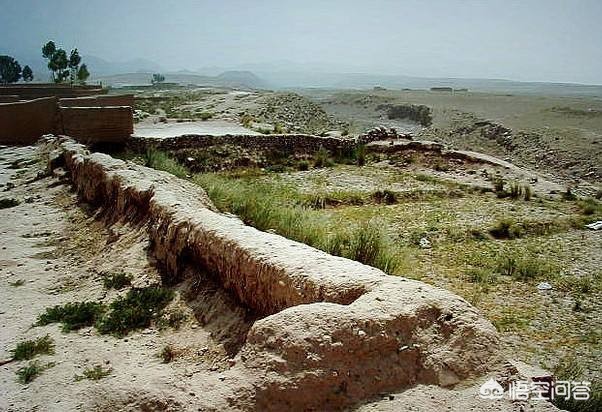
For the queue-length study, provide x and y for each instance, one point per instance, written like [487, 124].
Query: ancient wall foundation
[333, 332]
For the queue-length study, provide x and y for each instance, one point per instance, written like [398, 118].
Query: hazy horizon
[541, 41]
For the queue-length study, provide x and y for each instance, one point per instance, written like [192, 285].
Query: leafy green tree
[157, 78]
[63, 67]
[48, 50]
[27, 74]
[10, 70]
[83, 74]
[74, 61]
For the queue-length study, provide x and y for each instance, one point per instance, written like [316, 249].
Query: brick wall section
[98, 101]
[26, 122]
[112, 124]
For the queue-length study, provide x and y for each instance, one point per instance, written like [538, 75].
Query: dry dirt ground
[559, 135]
[54, 251]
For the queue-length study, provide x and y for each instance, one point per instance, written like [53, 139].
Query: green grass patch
[94, 374]
[9, 202]
[117, 280]
[280, 208]
[30, 348]
[523, 266]
[28, 373]
[72, 316]
[135, 310]
[160, 160]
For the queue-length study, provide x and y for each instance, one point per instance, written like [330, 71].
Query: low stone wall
[98, 124]
[335, 332]
[98, 101]
[286, 143]
[26, 122]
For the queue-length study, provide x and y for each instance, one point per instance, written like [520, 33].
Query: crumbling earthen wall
[335, 331]
[25, 122]
[98, 124]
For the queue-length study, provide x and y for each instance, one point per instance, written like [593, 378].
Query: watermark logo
[491, 390]
[537, 390]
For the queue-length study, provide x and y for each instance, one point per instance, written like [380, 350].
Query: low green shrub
[30, 348]
[117, 280]
[135, 310]
[9, 202]
[94, 374]
[72, 316]
[506, 229]
[28, 373]
[571, 369]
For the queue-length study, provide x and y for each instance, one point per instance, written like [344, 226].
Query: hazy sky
[541, 40]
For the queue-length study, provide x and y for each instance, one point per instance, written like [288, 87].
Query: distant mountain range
[236, 79]
[277, 76]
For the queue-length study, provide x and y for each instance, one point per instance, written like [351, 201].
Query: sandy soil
[208, 127]
[60, 249]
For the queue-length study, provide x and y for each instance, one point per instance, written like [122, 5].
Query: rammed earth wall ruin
[334, 332]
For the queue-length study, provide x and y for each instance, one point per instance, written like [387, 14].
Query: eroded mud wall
[112, 124]
[26, 122]
[335, 332]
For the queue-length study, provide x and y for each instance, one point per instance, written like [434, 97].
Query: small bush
[135, 311]
[568, 194]
[247, 120]
[360, 155]
[322, 158]
[516, 190]
[28, 373]
[94, 374]
[481, 276]
[522, 267]
[570, 369]
[384, 196]
[117, 281]
[72, 316]
[527, 193]
[205, 115]
[167, 354]
[30, 348]
[6, 203]
[506, 229]
[498, 186]
[303, 165]
[590, 207]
